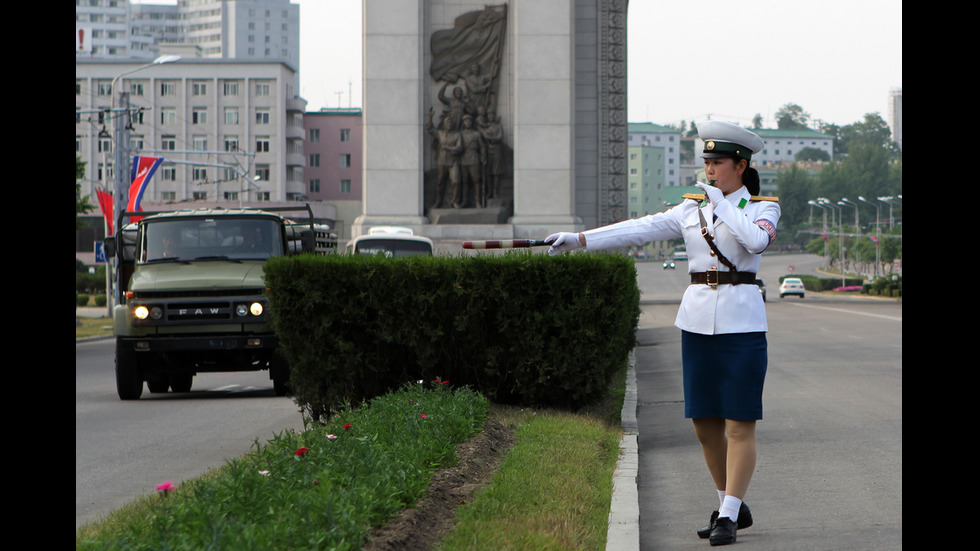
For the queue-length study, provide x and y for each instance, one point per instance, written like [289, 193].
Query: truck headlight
[254, 308]
[141, 312]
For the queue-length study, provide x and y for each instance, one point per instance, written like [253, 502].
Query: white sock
[721, 498]
[729, 508]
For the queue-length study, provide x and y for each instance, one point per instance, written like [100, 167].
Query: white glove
[714, 194]
[562, 242]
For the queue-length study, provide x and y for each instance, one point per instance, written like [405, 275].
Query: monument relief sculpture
[471, 160]
[467, 58]
[447, 145]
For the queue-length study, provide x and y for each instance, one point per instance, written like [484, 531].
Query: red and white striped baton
[504, 244]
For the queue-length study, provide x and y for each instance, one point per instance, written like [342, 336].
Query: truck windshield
[205, 238]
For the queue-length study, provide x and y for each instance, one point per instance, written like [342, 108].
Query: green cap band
[714, 148]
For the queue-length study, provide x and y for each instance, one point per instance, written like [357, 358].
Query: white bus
[391, 241]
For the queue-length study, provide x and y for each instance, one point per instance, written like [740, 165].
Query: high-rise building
[250, 30]
[895, 115]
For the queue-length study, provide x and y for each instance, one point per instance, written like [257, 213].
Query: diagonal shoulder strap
[711, 243]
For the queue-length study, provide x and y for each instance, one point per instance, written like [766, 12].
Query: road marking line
[893, 318]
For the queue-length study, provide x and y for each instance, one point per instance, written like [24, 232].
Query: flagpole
[120, 138]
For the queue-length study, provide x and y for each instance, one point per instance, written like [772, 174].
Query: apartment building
[244, 29]
[647, 179]
[333, 171]
[230, 132]
[655, 135]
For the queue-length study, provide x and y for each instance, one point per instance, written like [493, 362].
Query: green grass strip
[322, 488]
[552, 491]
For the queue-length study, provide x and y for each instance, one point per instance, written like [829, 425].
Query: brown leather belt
[714, 277]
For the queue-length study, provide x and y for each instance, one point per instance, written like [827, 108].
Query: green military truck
[191, 297]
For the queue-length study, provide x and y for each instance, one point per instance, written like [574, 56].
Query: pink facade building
[333, 154]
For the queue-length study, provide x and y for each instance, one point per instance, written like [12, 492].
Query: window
[230, 88]
[261, 144]
[105, 89]
[200, 195]
[199, 174]
[315, 186]
[199, 115]
[168, 115]
[199, 88]
[231, 143]
[168, 88]
[314, 159]
[168, 174]
[231, 196]
[168, 195]
[345, 134]
[199, 143]
[344, 160]
[136, 88]
[314, 134]
[263, 172]
[262, 116]
[345, 186]
[231, 115]
[168, 143]
[263, 89]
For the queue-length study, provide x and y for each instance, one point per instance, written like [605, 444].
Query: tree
[812, 154]
[791, 116]
[82, 206]
[873, 131]
[795, 188]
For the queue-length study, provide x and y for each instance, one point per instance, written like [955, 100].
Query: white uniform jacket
[742, 230]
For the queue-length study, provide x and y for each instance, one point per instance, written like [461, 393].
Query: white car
[791, 286]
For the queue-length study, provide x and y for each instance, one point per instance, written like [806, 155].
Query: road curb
[624, 510]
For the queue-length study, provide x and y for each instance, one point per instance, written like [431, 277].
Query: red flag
[143, 169]
[105, 203]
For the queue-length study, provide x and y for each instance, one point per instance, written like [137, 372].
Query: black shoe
[724, 532]
[744, 521]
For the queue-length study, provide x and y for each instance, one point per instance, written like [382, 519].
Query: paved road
[124, 449]
[829, 472]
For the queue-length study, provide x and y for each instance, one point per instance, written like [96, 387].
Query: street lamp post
[840, 235]
[120, 144]
[877, 232]
[824, 210]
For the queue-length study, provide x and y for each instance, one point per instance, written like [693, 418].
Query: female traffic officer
[722, 316]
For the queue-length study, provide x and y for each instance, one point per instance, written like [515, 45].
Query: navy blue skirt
[724, 375]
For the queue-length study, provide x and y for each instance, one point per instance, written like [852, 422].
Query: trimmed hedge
[816, 284]
[520, 328]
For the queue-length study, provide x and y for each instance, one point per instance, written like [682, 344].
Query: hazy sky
[837, 59]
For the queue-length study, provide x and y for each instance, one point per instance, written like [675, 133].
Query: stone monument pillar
[491, 121]
[394, 76]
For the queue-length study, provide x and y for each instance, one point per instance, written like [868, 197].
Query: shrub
[520, 328]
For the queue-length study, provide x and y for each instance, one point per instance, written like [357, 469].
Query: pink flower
[167, 486]
[347, 426]
[422, 416]
[301, 451]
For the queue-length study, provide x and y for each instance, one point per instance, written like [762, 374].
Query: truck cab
[194, 296]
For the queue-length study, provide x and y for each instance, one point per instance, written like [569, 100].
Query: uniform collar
[740, 197]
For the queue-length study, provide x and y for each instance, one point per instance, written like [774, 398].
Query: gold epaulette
[700, 197]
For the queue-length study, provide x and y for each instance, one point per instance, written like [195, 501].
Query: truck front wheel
[279, 373]
[181, 382]
[129, 382]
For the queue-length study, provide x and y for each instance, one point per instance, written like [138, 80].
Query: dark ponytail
[750, 179]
